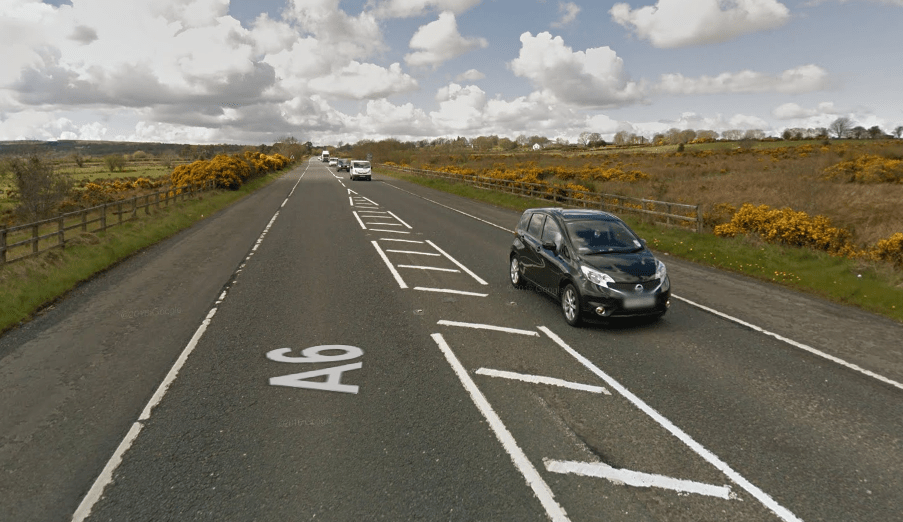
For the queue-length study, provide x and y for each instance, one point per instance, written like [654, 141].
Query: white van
[360, 169]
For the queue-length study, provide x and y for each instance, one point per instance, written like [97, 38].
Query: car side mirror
[548, 245]
[643, 241]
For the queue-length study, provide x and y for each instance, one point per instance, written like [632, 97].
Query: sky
[340, 71]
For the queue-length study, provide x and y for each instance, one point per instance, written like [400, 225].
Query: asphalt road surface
[337, 350]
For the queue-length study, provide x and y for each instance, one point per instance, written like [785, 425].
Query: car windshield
[602, 237]
[361, 164]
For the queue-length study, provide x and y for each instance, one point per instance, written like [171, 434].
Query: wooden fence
[662, 212]
[31, 239]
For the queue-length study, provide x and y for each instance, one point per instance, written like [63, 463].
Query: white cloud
[569, 12]
[681, 23]
[411, 8]
[440, 41]
[793, 111]
[806, 78]
[470, 75]
[594, 78]
[360, 81]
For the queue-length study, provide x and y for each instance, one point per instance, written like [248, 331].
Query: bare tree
[898, 131]
[841, 126]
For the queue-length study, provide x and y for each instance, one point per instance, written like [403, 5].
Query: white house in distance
[537, 146]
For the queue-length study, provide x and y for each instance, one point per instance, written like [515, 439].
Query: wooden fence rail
[51, 233]
[670, 213]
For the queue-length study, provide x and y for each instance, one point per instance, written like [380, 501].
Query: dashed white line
[542, 491]
[436, 268]
[539, 379]
[479, 326]
[636, 478]
[395, 273]
[707, 455]
[449, 291]
[455, 261]
[413, 252]
[399, 219]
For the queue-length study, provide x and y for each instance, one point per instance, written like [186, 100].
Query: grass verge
[875, 287]
[29, 285]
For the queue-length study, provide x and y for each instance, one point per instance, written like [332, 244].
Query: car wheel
[517, 279]
[570, 305]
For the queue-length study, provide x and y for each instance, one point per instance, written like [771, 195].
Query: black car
[343, 164]
[592, 261]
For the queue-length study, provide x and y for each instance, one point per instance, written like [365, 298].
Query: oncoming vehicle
[343, 164]
[591, 261]
[333, 162]
[360, 169]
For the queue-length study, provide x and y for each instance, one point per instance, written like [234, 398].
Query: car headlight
[660, 271]
[596, 277]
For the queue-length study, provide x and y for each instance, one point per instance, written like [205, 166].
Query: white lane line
[283, 203]
[479, 326]
[401, 240]
[450, 208]
[539, 379]
[799, 345]
[390, 231]
[636, 478]
[455, 261]
[782, 512]
[413, 252]
[351, 191]
[106, 475]
[368, 199]
[399, 219]
[359, 220]
[374, 212]
[449, 291]
[386, 224]
[542, 491]
[350, 201]
[430, 268]
[395, 273]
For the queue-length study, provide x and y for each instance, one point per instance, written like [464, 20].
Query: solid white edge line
[413, 252]
[450, 208]
[539, 379]
[359, 219]
[419, 267]
[542, 491]
[395, 273]
[479, 326]
[455, 261]
[796, 344]
[637, 478]
[449, 291]
[399, 219]
[709, 457]
[106, 476]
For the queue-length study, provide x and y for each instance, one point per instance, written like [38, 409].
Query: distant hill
[63, 148]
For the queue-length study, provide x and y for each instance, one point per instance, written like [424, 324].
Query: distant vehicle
[343, 164]
[591, 261]
[360, 169]
[324, 157]
[333, 162]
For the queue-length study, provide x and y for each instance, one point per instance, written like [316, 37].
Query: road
[337, 350]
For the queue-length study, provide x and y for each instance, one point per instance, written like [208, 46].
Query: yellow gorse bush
[890, 250]
[789, 227]
[867, 168]
[227, 171]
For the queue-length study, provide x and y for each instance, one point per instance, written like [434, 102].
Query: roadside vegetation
[817, 215]
[29, 285]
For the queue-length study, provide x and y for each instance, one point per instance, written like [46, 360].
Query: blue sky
[330, 71]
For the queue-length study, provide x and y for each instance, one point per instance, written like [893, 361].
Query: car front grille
[631, 287]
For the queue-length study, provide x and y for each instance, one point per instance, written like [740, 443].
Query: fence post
[668, 218]
[119, 211]
[3, 246]
[62, 227]
[34, 239]
[699, 219]
[84, 220]
[147, 205]
[135, 207]
[103, 217]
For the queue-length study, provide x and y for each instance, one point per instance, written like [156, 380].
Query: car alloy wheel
[570, 305]
[517, 280]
